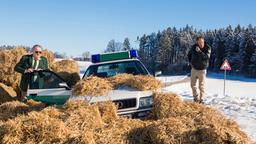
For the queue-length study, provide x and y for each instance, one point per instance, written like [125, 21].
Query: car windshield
[111, 69]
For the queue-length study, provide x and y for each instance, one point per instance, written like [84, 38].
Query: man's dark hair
[199, 37]
[37, 45]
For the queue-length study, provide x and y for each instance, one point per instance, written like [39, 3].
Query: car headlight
[146, 102]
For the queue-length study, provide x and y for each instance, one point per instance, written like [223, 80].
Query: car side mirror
[63, 85]
[158, 73]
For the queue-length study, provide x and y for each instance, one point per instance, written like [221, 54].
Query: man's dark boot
[195, 99]
[201, 101]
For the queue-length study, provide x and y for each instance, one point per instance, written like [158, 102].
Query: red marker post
[225, 66]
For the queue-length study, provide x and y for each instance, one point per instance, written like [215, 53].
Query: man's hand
[30, 70]
[198, 49]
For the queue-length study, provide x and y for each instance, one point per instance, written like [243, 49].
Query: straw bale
[108, 111]
[35, 127]
[10, 110]
[140, 82]
[49, 55]
[82, 117]
[8, 60]
[68, 69]
[166, 105]
[120, 79]
[92, 86]
[6, 93]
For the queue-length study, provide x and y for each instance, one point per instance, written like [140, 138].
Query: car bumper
[140, 113]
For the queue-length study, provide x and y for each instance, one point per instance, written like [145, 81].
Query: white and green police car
[131, 103]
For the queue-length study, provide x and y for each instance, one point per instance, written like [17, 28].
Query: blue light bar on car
[95, 58]
[114, 56]
[133, 54]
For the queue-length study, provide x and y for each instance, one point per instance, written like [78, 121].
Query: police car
[131, 103]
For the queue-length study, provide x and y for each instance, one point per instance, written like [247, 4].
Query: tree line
[167, 50]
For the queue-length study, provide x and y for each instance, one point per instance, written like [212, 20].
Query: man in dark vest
[28, 64]
[198, 57]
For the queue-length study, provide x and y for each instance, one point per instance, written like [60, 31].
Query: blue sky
[76, 26]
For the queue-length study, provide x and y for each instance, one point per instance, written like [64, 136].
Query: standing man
[28, 64]
[198, 57]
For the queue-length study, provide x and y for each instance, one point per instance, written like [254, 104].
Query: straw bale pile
[68, 69]
[82, 116]
[175, 130]
[167, 105]
[122, 131]
[202, 122]
[10, 110]
[6, 93]
[8, 60]
[92, 86]
[179, 130]
[49, 55]
[81, 122]
[74, 123]
[139, 82]
[34, 127]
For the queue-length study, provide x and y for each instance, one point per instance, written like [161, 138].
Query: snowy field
[239, 103]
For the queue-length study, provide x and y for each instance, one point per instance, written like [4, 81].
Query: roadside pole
[224, 83]
[225, 66]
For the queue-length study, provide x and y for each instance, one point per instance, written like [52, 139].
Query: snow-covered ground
[239, 103]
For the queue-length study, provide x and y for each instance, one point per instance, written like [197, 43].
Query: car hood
[119, 94]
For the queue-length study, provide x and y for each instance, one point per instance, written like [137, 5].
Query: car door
[48, 87]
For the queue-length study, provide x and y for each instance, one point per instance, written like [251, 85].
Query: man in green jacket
[28, 64]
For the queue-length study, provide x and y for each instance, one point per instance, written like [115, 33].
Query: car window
[45, 80]
[111, 69]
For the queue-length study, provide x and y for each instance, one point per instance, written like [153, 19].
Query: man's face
[200, 43]
[37, 53]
